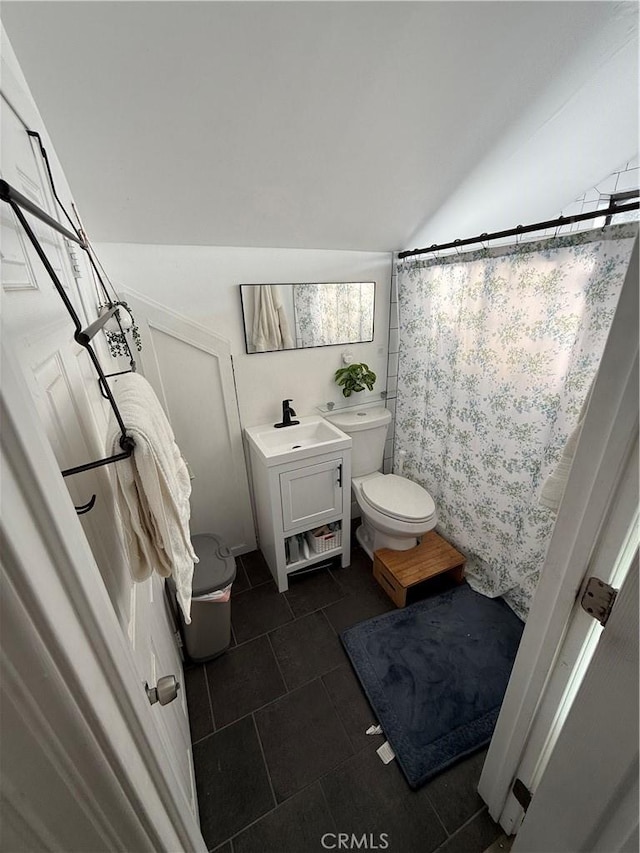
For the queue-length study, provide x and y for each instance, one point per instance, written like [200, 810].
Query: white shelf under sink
[321, 557]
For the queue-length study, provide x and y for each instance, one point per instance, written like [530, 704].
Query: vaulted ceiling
[308, 124]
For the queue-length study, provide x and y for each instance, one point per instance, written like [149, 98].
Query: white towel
[555, 484]
[152, 489]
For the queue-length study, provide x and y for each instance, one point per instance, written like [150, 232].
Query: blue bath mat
[435, 674]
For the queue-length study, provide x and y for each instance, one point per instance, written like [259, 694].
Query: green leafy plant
[355, 377]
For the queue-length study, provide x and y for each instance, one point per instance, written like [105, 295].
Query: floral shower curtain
[340, 312]
[498, 349]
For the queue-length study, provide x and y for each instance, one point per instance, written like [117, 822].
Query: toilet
[395, 511]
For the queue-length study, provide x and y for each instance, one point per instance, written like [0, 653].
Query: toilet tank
[368, 430]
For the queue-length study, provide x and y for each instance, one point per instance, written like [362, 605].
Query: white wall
[202, 283]
[569, 138]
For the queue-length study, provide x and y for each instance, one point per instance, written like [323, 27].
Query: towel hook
[81, 510]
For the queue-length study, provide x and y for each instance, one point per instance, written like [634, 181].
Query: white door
[39, 332]
[190, 370]
[596, 521]
[84, 765]
[587, 798]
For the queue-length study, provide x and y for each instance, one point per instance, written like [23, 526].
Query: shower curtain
[498, 349]
[332, 313]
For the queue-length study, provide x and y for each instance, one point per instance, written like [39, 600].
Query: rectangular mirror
[297, 316]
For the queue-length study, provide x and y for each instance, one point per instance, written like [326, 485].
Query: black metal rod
[69, 472]
[8, 193]
[45, 261]
[611, 210]
[35, 135]
[84, 336]
[81, 510]
[112, 402]
[84, 242]
[107, 375]
[126, 442]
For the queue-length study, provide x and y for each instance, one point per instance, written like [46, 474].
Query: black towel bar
[18, 203]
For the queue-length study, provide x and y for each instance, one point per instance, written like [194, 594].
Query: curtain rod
[613, 208]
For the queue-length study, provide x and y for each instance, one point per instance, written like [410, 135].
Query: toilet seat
[399, 498]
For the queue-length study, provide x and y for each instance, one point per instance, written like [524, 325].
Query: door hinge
[598, 599]
[521, 793]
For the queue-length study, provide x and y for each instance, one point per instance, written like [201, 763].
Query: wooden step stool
[398, 571]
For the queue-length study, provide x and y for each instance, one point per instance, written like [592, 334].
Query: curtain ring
[455, 246]
[486, 248]
[519, 234]
[558, 226]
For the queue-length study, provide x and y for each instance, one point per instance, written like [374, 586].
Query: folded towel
[152, 489]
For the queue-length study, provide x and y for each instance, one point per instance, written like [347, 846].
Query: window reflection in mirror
[297, 316]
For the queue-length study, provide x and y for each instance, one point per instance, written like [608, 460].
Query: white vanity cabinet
[295, 495]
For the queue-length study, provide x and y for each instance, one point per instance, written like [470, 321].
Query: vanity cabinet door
[311, 495]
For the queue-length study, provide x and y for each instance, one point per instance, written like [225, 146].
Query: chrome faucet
[287, 411]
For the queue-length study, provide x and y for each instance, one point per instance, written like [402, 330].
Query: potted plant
[355, 377]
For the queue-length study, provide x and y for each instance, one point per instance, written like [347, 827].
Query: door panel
[84, 737]
[20, 268]
[60, 378]
[190, 370]
[311, 495]
[579, 801]
[173, 717]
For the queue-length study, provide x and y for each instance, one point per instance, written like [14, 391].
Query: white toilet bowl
[395, 512]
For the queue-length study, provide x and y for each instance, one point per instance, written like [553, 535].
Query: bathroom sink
[311, 437]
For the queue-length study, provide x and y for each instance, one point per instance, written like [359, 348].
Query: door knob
[165, 690]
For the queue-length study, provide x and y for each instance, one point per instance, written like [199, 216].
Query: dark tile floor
[278, 722]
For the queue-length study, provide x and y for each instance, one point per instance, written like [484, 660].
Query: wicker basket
[324, 542]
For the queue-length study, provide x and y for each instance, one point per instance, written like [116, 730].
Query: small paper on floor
[374, 730]
[385, 752]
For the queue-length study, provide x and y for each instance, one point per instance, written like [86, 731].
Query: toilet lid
[399, 497]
